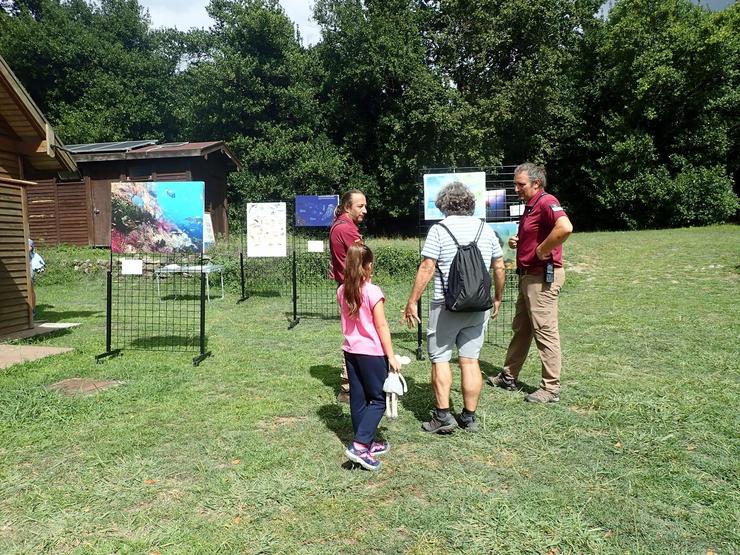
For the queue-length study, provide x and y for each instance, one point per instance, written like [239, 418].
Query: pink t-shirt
[360, 336]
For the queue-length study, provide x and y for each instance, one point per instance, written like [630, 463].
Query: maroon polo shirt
[540, 215]
[343, 233]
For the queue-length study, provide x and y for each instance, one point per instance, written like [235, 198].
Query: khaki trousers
[536, 316]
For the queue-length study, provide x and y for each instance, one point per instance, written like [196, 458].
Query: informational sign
[315, 211]
[132, 267]
[266, 229]
[496, 204]
[158, 216]
[208, 236]
[315, 246]
[504, 231]
[435, 182]
[516, 210]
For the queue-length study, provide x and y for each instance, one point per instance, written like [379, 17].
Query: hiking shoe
[343, 397]
[502, 381]
[362, 457]
[543, 396]
[469, 424]
[440, 426]
[379, 448]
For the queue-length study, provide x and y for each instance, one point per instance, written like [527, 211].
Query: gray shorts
[446, 329]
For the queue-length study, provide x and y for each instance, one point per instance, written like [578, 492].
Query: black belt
[530, 271]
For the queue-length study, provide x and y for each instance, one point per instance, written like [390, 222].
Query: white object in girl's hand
[394, 387]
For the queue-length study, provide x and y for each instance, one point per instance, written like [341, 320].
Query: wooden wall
[213, 172]
[15, 278]
[59, 212]
[9, 161]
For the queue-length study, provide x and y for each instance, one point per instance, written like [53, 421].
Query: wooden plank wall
[15, 308]
[9, 162]
[59, 212]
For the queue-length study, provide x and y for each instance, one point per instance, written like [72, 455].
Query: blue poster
[315, 211]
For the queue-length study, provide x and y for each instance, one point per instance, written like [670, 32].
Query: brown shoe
[543, 396]
[502, 381]
[343, 397]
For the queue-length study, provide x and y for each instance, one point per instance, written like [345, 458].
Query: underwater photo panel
[503, 231]
[315, 210]
[434, 182]
[157, 216]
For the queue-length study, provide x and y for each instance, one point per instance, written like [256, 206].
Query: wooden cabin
[27, 145]
[76, 208]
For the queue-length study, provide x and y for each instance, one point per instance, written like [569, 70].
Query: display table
[192, 269]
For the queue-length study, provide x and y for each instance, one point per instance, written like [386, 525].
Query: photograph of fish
[505, 231]
[161, 216]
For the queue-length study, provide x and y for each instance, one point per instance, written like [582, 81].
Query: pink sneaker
[379, 448]
[362, 457]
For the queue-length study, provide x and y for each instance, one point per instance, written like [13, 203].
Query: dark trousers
[366, 396]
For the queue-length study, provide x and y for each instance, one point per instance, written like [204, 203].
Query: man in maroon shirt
[543, 228]
[343, 233]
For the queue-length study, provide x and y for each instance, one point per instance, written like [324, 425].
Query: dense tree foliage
[659, 145]
[635, 114]
[96, 70]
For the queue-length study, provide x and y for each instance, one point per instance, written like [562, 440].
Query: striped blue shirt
[439, 245]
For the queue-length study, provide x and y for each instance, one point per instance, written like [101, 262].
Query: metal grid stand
[144, 313]
[500, 177]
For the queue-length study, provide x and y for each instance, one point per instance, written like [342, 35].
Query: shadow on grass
[419, 399]
[336, 421]
[262, 293]
[328, 375]
[493, 370]
[179, 297]
[43, 313]
[41, 338]
[166, 342]
[313, 316]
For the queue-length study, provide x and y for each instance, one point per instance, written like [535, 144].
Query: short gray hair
[455, 199]
[534, 172]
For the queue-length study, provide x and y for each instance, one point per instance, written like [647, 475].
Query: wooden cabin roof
[148, 149]
[26, 130]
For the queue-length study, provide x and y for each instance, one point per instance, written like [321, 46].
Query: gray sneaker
[502, 381]
[469, 424]
[543, 396]
[437, 426]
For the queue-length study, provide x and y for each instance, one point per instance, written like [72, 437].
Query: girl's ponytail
[356, 272]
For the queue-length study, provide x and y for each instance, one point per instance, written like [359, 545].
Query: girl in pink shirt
[368, 352]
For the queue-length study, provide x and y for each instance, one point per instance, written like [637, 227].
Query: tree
[661, 144]
[513, 60]
[96, 70]
[254, 87]
[385, 105]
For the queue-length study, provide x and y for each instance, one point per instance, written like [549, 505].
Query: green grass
[243, 454]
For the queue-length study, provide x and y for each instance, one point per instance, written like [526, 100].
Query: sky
[184, 15]
[192, 13]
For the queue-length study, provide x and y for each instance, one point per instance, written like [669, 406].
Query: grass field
[244, 453]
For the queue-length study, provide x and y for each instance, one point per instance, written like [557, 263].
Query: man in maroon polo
[343, 233]
[543, 228]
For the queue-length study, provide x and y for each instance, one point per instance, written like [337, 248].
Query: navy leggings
[367, 373]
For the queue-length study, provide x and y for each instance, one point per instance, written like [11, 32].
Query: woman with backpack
[457, 253]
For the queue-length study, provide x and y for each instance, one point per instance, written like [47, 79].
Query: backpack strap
[480, 230]
[457, 245]
[447, 229]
